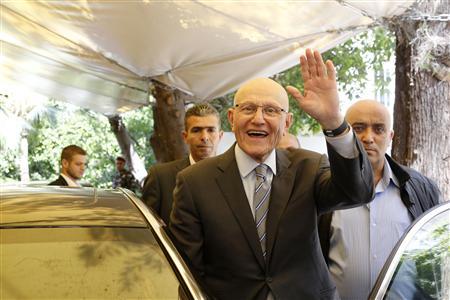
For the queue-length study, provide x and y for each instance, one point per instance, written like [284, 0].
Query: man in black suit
[247, 219]
[73, 164]
[202, 134]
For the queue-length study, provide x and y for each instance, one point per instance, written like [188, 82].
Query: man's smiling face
[260, 117]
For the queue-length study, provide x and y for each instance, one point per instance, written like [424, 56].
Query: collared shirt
[71, 182]
[344, 145]
[191, 160]
[362, 238]
[246, 165]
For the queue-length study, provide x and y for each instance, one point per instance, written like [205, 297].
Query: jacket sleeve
[344, 183]
[151, 193]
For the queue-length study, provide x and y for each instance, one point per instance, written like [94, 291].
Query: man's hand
[320, 99]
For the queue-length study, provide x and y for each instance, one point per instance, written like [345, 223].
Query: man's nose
[367, 136]
[258, 117]
[204, 135]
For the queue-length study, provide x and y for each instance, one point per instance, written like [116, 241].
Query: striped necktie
[261, 204]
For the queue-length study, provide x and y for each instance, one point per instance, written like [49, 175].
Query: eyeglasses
[249, 109]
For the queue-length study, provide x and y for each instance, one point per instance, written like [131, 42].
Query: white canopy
[103, 54]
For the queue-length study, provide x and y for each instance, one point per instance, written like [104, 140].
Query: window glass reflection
[424, 268]
[82, 263]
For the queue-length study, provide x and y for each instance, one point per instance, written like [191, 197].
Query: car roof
[49, 206]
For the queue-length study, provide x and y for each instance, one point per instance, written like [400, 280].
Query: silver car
[78, 243]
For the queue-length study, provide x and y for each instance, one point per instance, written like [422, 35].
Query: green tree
[352, 59]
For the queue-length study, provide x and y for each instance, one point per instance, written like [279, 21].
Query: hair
[71, 150]
[201, 110]
[121, 158]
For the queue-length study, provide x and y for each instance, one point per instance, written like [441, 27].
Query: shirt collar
[388, 176]
[70, 181]
[246, 164]
[191, 160]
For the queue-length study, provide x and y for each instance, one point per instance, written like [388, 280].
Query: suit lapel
[282, 185]
[230, 183]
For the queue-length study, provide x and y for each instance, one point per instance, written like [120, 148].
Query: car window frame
[385, 277]
[191, 287]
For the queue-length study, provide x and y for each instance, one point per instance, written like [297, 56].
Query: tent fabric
[104, 55]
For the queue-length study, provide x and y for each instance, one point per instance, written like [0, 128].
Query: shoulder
[174, 165]
[209, 166]
[413, 177]
[59, 181]
[300, 155]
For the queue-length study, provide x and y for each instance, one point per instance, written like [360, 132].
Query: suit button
[269, 279]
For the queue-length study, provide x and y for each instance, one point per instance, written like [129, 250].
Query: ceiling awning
[103, 55]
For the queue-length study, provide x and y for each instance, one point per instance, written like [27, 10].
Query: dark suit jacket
[60, 181]
[159, 186]
[212, 223]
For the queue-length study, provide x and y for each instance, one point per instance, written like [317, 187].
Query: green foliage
[352, 59]
[91, 131]
[139, 124]
[74, 126]
[9, 169]
[222, 105]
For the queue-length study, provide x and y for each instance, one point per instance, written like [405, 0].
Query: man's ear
[288, 122]
[184, 134]
[220, 134]
[230, 116]
[64, 163]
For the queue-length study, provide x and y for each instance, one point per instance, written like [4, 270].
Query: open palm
[320, 99]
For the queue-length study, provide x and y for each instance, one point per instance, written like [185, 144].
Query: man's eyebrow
[202, 127]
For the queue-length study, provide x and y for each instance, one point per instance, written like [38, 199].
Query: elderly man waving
[246, 219]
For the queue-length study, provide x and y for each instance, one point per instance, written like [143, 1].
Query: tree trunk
[23, 154]
[168, 114]
[422, 101]
[134, 162]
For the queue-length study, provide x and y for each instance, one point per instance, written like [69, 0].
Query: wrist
[338, 130]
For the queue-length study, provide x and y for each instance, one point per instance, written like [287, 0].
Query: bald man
[246, 219]
[358, 241]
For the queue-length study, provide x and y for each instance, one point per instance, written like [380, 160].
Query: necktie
[261, 204]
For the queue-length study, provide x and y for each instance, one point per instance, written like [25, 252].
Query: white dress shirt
[344, 145]
[362, 238]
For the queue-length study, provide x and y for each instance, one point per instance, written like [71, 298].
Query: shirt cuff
[344, 144]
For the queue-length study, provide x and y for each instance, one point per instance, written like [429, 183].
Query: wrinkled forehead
[262, 91]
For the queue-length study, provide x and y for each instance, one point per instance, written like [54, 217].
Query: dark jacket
[212, 223]
[60, 181]
[159, 185]
[418, 194]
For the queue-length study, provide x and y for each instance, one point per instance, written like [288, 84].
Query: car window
[80, 263]
[423, 271]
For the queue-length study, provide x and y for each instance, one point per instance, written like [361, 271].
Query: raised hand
[320, 99]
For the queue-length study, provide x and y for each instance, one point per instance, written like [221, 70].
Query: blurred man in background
[202, 134]
[73, 165]
[124, 178]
